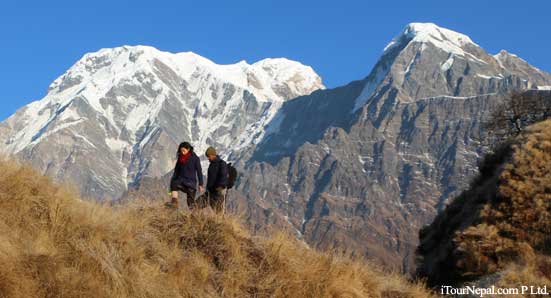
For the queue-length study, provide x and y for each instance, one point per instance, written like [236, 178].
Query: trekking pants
[217, 199]
[190, 193]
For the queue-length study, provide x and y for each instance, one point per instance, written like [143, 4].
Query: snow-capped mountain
[118, 114]
[390, 149]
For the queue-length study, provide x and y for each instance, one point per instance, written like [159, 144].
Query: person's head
[184, 148]
[211, 153]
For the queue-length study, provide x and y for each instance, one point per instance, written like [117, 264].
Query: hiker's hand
[201, 188]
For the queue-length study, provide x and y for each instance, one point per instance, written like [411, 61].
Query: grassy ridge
[501, 225]
[52, 244]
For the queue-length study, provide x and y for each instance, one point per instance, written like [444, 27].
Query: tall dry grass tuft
[52, 244]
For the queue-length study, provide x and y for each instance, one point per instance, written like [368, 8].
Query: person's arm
[176, 170]
[199, 171]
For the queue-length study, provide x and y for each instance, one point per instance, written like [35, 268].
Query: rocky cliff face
[364, 166]
[118, 114]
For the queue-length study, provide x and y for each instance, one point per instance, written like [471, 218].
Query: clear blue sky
[341, 39]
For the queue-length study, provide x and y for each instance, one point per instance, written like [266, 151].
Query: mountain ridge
[390, 151]
[362, 166]
[125, 100]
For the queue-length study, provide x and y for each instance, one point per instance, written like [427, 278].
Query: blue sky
[341, 39]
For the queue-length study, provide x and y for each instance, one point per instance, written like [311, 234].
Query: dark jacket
[217, 174]
[188, 173]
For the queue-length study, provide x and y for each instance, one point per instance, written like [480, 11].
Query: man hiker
[186, 173]
[217, 180]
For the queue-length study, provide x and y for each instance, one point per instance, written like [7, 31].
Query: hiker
[186, 173]
[217, 180]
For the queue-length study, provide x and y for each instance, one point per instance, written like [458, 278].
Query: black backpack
[232, 175]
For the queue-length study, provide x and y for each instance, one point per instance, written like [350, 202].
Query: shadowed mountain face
[360, 167]
[364, 166]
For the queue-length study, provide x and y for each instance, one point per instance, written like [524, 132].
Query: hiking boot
[172, 204]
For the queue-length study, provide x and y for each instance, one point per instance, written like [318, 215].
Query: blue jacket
[188, 173]
[217, 174]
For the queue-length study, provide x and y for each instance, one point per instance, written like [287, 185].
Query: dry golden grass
[517, 222]
[52, 244]
[501, 224]
[535, 271]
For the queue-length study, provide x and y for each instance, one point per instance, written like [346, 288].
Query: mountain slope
[389, 151]
[56, 245]
[500, 223]
[133, 105]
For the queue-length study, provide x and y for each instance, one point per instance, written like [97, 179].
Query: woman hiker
[186, 174]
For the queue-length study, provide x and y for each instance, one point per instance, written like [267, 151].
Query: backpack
[232, 175]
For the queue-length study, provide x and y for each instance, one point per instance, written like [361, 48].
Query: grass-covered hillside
[52, 244]
[500, 228]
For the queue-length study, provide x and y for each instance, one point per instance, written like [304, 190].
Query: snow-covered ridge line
[275, 71]
[130, 103]
[96, 74]
[451, 97]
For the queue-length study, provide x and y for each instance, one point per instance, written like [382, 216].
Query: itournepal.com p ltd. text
[493, 290]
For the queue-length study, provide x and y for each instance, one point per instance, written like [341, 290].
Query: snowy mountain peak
[284, 68]
[423, 32]
[445, 39]
[425, 52]
[295, 75]
[122, 102]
